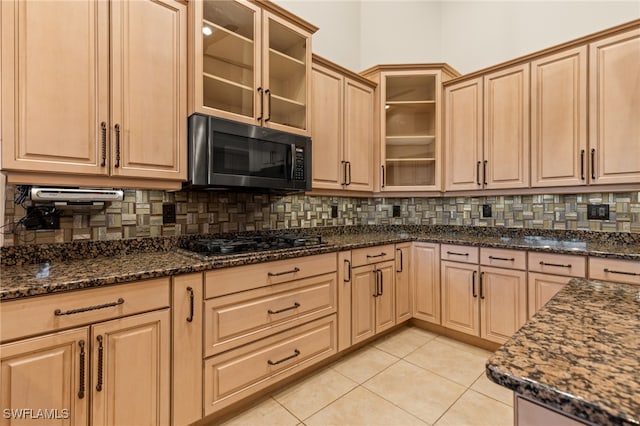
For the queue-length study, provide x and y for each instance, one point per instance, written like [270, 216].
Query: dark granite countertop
[579, 354]
[99, 264]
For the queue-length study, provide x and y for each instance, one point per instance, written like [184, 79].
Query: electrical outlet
[168, 213]
[42, 217]
[334, 212]
[396, 211]
[486, 210]
[598, 211]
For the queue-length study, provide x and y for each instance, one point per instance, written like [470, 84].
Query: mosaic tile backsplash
[140, 214]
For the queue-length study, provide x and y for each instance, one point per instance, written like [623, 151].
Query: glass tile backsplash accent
[140, 214]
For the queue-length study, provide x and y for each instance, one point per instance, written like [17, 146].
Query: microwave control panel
[299, 166]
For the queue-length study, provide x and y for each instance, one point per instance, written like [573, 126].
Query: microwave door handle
[293, 161]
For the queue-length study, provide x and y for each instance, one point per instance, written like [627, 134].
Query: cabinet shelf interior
[286, 41]
[411, 88]
[231, 16]
[227, 95]
[410, 140]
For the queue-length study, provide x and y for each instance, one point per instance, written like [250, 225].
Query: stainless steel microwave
[229, 154]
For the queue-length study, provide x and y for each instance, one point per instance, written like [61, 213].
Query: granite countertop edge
[186, 263]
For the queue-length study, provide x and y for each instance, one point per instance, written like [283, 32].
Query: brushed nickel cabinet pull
[100, 363]
[369, 256]
[457, 254]
[82, 369]
[103, 129]
[510, 259]
[296, 305]
[481, 285]
[401, 261]
[559, 265]
[611, 271]
[261, 104]
[117, 164]
[191, 300]
[473, 284]
[344, 172]
[349, 174]
[348, 265]
[381, 283]
[277, 274]
[59, 312]
[280, 361]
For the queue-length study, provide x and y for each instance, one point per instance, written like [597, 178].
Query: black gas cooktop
[250, 243]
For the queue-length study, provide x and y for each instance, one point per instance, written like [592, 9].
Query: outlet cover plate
[396, 211]
[334, 212]
[168, 213]
[598, 211]
[486, 210]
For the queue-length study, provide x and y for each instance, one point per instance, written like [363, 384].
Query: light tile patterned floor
[411, 377]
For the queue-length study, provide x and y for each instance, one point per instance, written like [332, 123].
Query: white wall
[468, 35]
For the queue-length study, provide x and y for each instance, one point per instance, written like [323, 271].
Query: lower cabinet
[404, 282]
[425, 265]
[528, 413]
[111, 373]
[485, 301]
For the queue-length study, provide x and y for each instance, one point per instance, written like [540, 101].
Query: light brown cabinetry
[617, 270]
[614, 90]
[487, 131]
[409, 116]
[548, 273]
[89, 369]
[87, 111]
[345, 280]
[279, 318]
[342, 128]
[485, 301]
[251, 63]
[559, 119]
[528, 413]
[425, 265]
[404, 282]
[372, 291]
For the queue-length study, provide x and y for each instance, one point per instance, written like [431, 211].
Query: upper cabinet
[614, 123]
[487, 131]
[251, 63]
[98, 89]
[342, 128]
[409, 116]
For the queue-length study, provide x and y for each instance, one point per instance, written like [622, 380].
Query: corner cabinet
[251, 62]
[408, 104]
[94, 108]
[341, 128]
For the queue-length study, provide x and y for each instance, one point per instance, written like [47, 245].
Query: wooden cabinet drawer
[501, 258]
[31, 316]
[234, 280]
[617, 270]
[458, 253]
[558, 264]
[244, 317]
[369, 255]
[235, 374]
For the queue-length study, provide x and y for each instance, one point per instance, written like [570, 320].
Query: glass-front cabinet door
[410, 131]
[251, 64]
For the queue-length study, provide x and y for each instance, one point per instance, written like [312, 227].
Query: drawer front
[501, 258]
[617, 270]
[231, 376]
[558, 264]
[458, 253]
[28, 317]
[241, 278]
[369, 255]
[244, 317]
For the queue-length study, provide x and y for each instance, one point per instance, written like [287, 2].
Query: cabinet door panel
[463, 135]
[542, 288]
[614, 90]
[326, 128]
[460, 302]
[358, 135]
[149, 109]
[385, 302]
[506, 128]
[44, 373]
[426, 282]
[404, 281]
[559, 119]
[135, 370]
[503, 295]
[345, 280]
[54, 100]
[362, 304]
